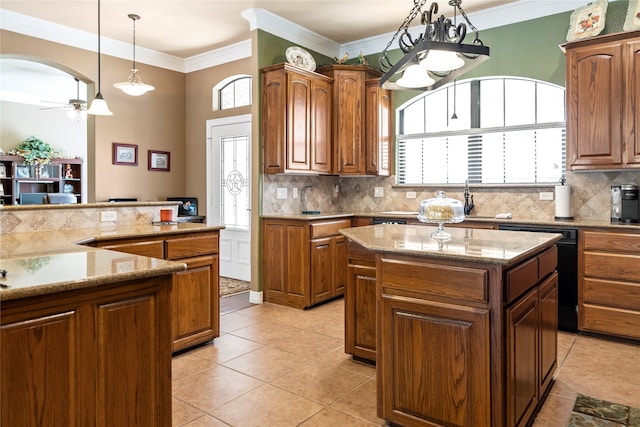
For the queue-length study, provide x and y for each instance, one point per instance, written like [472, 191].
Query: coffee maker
[625, 203]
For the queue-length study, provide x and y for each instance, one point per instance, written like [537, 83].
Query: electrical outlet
[108, 216]
[281, 193]
[378, 192]
[294, 192]
[411, 195]
[336, 188]
[546, 195]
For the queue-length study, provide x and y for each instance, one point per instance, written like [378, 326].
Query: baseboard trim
[255, 297]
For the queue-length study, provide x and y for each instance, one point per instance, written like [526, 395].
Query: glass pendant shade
[415, 76]
[441, 61]
[99, 106]
[134, 85]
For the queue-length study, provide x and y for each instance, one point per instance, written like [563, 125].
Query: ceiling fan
[77, 107]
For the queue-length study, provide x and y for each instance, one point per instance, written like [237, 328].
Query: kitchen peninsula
[86, 333]
[467, 328]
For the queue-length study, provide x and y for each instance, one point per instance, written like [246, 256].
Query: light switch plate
[378, 192]
[281, 193]
[411, 195]
[294, 192]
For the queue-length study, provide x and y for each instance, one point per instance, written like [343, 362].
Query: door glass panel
[234, 181]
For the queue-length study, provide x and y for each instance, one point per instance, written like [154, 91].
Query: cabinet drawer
[150, 249]
[547, 262]
[434, 279]
[614, 321]
[614, 293]
[614, 266]
[521, 278]
[191, 246]
[627, 243]
[329, 228]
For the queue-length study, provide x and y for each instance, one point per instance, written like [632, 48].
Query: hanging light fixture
[99, 106]
[134, 85]
[439, 49]
[79, 111]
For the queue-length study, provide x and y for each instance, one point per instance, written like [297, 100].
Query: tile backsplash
[590, 195]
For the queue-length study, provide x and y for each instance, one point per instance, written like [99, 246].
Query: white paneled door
[229, 192]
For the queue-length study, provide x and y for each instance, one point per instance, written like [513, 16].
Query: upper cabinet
[357, 124]
[296, 120]
[603, 102]
[334, 122]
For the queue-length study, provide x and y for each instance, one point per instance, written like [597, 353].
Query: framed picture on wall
[125, 154]
[159, 161]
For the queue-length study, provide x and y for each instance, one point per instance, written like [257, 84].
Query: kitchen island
[86, 333]
[466, 329]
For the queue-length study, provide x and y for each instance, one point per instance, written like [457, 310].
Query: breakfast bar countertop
[494, 246]
[44, 262]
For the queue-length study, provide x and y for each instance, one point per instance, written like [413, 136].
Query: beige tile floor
[277, 366]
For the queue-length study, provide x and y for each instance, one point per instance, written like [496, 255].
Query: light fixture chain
[417, 8]
[134, 42]
[473, 27]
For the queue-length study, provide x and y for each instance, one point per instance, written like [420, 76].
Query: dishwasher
[567, 271]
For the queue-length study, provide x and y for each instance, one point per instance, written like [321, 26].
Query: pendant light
[134, 85]
[99, 106]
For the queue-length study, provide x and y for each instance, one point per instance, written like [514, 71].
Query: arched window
[232, 92]
[508, 130]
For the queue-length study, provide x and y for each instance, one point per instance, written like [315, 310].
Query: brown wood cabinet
[609, 283]
[94, 357]
[304, 262]
[480, 337]
[361, 117]
[296, 121]
[58, 176]
[196, 291]
[603, 98]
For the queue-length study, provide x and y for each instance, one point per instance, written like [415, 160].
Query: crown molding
[262, 19]
[270, 22]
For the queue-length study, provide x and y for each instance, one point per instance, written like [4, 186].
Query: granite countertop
[551, 222]
[494, 246]
[51, 261]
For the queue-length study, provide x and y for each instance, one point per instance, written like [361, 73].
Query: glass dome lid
[441, 210]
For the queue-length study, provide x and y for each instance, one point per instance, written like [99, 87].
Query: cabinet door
[195, 299]
[594, 108]
[298, 109]
[320, 123]
[349, 121]
[273, 120]
[632, 114]
[522, 358]
[340, 263]
[378, 128]
[39, 370]
[433, 363]
[548, 295]
[322, 269]
[360, 310]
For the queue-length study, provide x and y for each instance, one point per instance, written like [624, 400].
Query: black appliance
[567, 272]
[188, 209]
[388, 221]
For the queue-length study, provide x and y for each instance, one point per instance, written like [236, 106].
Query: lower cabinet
[462, 343]
[532, 348]
[196, 291]
[304, 262]
[609, 283]
[86, 364]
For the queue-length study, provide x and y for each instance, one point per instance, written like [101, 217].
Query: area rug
[232, 286]
[591, 412]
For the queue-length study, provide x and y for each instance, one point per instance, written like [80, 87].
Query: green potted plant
[35, 151]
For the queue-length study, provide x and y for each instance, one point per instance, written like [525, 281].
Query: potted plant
[35, 151]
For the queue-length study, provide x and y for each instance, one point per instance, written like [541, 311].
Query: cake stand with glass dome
[441, 210]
